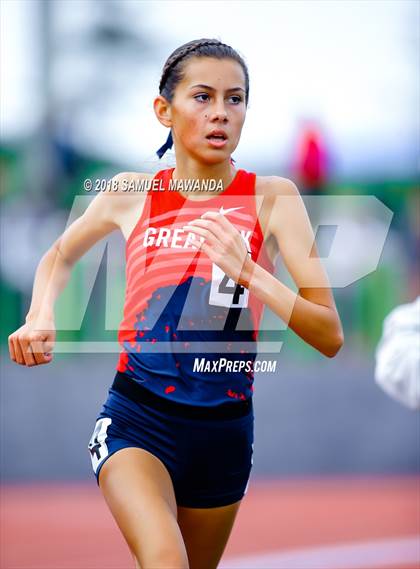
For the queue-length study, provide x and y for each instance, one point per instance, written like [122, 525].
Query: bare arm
[311, 313]
[31, 342]
[54, 269]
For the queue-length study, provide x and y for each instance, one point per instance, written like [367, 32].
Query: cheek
[238, 120]
[192, 124]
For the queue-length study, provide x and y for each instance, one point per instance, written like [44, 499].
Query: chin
[213, 157]
[214, 161]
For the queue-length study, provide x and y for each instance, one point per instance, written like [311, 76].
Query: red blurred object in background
[311, 161]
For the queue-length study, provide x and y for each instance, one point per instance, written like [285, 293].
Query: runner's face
[210, 97]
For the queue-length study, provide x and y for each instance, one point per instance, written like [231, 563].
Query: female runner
[172, 446]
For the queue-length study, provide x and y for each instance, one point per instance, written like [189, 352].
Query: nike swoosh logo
[223, 211]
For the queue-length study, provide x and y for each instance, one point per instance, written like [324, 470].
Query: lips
[217, 135]
[217, 138]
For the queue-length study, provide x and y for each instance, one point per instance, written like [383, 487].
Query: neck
[188, 168]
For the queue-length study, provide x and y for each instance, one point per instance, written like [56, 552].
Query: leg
[139, 492]
[206, 532]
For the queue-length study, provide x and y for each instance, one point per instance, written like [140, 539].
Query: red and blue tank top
[189, 332]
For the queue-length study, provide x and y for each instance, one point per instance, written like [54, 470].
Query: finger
[11, 349]
[219, 225]
[40, 351]
[226, 241]
[27, 353]
[204, 232]
[210, 232]
[209, 224]
[46, 349]
[206, 223]
[218, 218]
[18, 352]
[204, 247]
[49, 345]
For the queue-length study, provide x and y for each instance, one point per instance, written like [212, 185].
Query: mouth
[217, 139]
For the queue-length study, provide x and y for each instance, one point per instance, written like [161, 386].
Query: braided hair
[172, 72]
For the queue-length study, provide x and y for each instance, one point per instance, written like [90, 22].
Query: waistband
[127, 386]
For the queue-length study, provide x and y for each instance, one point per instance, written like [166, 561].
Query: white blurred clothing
[397, 368]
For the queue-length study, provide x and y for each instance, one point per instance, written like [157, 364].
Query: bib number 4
[225, 291]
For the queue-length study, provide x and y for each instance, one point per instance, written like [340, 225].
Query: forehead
[217, 73]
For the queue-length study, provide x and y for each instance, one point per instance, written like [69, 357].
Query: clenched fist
[32, 343]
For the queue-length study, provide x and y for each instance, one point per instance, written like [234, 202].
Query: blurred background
[334, 106]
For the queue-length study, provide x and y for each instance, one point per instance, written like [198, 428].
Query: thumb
[48, 346]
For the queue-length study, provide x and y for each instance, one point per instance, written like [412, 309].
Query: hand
[32, 343]
[222, 243]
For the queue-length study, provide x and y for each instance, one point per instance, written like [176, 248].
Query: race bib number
[225, 291]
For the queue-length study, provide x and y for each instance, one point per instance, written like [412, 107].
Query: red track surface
[51, 526]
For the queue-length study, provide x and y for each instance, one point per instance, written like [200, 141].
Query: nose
[219, 112]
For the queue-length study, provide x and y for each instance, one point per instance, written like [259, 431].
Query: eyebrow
[202, 86]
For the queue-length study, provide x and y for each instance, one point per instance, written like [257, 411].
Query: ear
[162, 110]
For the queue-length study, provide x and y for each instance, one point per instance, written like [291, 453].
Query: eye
[200, 98]
[236, 99]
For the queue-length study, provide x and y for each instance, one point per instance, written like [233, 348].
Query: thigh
[139, 492]
[206, 532]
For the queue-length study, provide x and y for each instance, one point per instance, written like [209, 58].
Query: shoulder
[283, 214]
[122, 195]
[124, 182]
[271, 186]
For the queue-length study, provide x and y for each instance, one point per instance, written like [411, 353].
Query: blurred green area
[362, 306]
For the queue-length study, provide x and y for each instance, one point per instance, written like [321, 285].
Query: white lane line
[360, 555]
